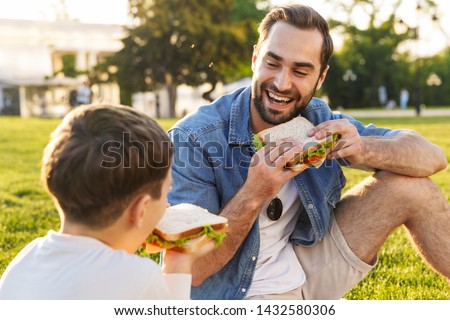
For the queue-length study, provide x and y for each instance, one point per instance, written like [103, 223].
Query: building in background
[42, 61]
[156, 103]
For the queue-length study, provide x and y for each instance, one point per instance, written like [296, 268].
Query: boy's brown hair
[100, 157]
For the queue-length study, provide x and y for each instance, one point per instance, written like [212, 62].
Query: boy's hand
[176, 262]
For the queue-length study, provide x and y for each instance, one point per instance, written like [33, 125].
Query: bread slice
[296, 129]
[185, 219]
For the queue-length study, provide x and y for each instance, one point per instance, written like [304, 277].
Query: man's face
[286, 73]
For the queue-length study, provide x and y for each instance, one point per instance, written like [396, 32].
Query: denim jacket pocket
[334, 196]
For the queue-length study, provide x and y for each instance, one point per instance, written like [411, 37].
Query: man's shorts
[331, 268]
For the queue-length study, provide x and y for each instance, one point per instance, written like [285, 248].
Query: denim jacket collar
[240, 124]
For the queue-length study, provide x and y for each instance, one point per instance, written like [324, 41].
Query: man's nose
[283, 80]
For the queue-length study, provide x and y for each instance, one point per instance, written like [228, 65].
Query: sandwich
[314, 150]
[184, 228]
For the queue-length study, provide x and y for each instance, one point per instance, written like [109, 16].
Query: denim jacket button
[243, 290]
[310, 206]
[253, 258]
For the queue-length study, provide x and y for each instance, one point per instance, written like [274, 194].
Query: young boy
[108, 171]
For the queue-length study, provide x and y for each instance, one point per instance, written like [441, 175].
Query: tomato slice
[315, 159]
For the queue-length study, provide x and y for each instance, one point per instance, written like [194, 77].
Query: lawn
[26, 211]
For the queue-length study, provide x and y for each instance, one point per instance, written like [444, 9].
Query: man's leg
[331, 267]
[370, 211]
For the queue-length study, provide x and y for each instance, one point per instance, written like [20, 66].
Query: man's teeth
[278, 98]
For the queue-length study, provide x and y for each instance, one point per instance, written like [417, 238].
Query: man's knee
[398, 180]
[414, 190]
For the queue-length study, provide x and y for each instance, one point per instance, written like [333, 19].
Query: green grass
[26, 211]
[401, 273]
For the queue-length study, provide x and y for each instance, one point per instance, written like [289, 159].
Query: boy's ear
[137, 209]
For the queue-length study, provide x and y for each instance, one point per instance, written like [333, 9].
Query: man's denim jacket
[213, 148]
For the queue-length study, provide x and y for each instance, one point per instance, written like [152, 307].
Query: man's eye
[300, 73]
[270, 63]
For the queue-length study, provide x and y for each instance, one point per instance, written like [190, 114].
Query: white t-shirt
[62, 266]
[278, 269]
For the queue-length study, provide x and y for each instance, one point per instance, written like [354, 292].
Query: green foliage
[372, 53]
[366, 60]
[369, 53]
[173, 43]
[26, 211]
[69, 65]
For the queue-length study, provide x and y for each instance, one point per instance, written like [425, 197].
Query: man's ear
[137, 209]
[254, 57]
[322, 77]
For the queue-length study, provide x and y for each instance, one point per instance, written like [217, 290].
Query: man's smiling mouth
[274, 98]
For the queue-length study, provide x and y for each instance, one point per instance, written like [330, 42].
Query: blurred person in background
[404, 97]
[84, 93]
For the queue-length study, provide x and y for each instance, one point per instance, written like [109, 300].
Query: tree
[370, 52]
[173, 43]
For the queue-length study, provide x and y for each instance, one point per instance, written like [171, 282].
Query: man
[404, 97]
[84, 93]
[322, 245]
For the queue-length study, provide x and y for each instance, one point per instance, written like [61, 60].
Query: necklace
[274, 209]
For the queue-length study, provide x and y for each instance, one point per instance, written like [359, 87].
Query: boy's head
[99, 158]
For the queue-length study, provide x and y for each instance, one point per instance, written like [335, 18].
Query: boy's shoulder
[35, 273]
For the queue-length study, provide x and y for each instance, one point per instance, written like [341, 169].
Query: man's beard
[276, 117]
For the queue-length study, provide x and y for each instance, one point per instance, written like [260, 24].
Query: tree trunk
[172, 93]
[158, 105]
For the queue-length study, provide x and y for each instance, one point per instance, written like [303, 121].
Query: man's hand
[265, 177]
[350, 144]
[267, 172]
[406, 153]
